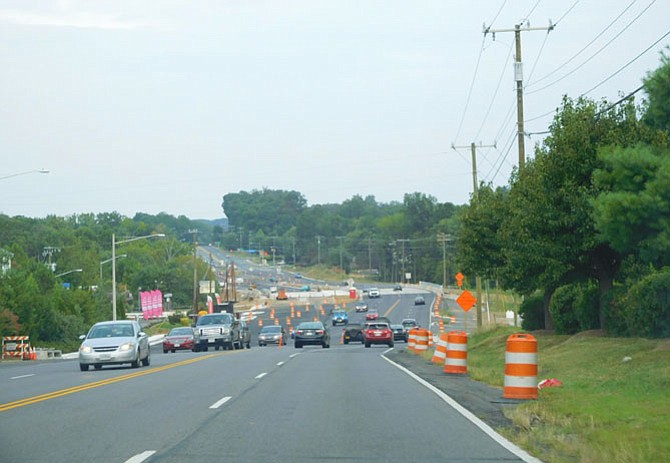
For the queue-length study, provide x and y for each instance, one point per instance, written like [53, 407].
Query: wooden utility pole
[193, 233]
[475, 193]
[518, 77]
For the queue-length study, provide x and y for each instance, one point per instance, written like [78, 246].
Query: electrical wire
[531, 84]
[472, 84]
[627, 64]
[597, 52]
[495, 94]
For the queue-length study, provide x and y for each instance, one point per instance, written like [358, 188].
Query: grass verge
[613, 406]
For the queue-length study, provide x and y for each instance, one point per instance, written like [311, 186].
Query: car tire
[136, 363]
[146, 361]
[97, 366]
[346, 341]
[390, 344]
[83, 367]
[173, 351]
[298, 345]
[367, 344]
[165, 351]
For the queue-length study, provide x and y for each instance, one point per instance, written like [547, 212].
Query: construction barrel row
[451, 350]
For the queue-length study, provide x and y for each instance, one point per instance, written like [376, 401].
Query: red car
[178, 339]
[378, 333]
[372, 315]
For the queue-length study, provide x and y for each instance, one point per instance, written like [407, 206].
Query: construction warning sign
[466, 300]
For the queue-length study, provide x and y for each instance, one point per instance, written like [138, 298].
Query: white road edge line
[387, 350]
[513, 448]
[280, 364]
[220, 402]
[23, 376]
[260, 376]
[140, 457]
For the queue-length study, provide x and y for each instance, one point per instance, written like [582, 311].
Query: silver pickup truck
[219, 330]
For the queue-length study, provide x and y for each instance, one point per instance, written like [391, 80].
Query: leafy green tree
[657, 87]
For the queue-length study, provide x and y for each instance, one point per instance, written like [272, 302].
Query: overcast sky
[166, 106]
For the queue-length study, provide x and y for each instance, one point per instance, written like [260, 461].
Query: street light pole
[114, 243]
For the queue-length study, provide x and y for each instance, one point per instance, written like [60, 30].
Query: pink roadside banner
[152, 304]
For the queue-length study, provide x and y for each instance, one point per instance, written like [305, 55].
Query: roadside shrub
[648, 304]
[532, 312]
[614, 311]
[562, 310]
[574, 308]
[175, 319]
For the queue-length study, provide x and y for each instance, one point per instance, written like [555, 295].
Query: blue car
[340, 317]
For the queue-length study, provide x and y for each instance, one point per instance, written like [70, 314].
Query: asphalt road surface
[346, 403]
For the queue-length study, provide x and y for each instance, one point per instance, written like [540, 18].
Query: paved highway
[346, 403]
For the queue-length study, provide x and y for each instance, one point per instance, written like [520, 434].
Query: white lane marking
[22, 376]
[292, 355]
[280, 364]
[468, 415]
[260, 376]
[387, 350]
[220, 402]
[140, 457]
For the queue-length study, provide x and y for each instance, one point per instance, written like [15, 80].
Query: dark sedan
[178, 339]
[399, 333]
[312, 333]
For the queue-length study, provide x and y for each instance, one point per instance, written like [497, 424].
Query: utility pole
[318, 250]
[369, 254]
[402, 259]
[194, 232]
[473, 150]
[475, 193]
[443, 238]
[341, 238]
[518, 77]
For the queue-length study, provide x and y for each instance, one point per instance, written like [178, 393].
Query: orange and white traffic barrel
[421, 340]
[520, 367]
[440, 354]
[411, 339]
[456, 361]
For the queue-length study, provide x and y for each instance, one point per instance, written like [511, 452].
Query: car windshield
[180, 331]
[217, 319]
[111, 331]
[271, 329]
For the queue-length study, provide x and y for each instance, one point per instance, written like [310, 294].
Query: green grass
[609, 409]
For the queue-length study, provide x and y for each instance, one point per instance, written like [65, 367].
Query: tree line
[41, 294]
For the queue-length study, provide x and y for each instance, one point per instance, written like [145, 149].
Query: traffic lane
[345, 404]
[29, 379]
[116, 421]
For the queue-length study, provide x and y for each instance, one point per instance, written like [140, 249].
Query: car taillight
[386, 332]
[319, 331]
[298, 332]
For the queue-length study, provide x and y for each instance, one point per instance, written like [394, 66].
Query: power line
[495, 94]
[472, 84]
[597, 52]
[627, 64]
[531, 84]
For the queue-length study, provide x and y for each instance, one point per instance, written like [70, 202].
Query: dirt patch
[664, 345]
[484, 401]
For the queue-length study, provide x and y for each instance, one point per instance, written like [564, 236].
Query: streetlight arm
[39, 171]
[157, 235]
[68, 272]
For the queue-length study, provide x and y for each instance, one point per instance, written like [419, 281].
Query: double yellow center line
[105, 382]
